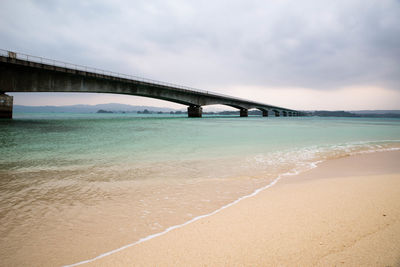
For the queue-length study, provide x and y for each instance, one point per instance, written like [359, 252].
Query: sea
[74, 187]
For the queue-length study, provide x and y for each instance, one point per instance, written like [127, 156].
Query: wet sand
[345, 212]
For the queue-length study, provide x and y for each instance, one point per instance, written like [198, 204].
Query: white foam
[311, 165]
[255, 192]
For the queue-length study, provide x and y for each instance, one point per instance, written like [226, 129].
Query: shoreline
[286, 179]
[122, 256]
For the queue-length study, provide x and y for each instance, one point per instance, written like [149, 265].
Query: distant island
[359, 114]
[104, 111]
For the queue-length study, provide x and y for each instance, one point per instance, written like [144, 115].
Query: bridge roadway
[25, 73]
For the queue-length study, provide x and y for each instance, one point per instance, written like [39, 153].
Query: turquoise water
[47, 141]
[148, 172]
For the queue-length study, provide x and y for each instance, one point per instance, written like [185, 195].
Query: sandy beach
[344, 212]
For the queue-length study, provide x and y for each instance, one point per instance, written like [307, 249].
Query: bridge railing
[63, 64]
[67, 65]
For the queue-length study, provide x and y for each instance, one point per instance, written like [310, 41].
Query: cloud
[218, 45]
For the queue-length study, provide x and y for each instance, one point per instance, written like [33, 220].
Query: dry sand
[345, 212]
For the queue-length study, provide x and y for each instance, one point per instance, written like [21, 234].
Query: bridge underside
[26, 76]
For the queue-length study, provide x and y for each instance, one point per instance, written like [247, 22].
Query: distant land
[122, 108]
[113, 107]
[358, 113]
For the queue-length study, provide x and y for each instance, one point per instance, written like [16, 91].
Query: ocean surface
[75, 186]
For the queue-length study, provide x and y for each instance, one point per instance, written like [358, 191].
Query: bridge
[25, 73]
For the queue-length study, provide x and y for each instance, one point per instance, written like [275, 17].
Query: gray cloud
[217, 44]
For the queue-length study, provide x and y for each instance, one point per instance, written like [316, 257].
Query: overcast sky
[297, 54]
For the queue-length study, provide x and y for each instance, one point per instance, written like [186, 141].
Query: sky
[306, 55]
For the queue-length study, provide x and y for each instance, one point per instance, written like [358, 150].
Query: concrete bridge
[25, 73]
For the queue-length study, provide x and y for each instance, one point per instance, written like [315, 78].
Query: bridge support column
[284, 113]
[244, 112]
[276, 113]
[195, 111]
[265, 113]
[290, 114]
[6, 106]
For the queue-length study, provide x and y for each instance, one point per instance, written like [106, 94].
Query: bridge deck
[25, 73]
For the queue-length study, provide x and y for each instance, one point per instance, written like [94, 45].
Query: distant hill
[114, 107]
[376, 111]
[361, 113]
[118, 108]
[324, 113]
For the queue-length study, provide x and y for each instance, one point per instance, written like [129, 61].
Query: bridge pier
[6, 106]
[264, 113]
[276, 113]
[195, 111]
[284, 113]
[244, 112]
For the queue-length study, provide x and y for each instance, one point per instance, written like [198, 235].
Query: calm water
[101, 181]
